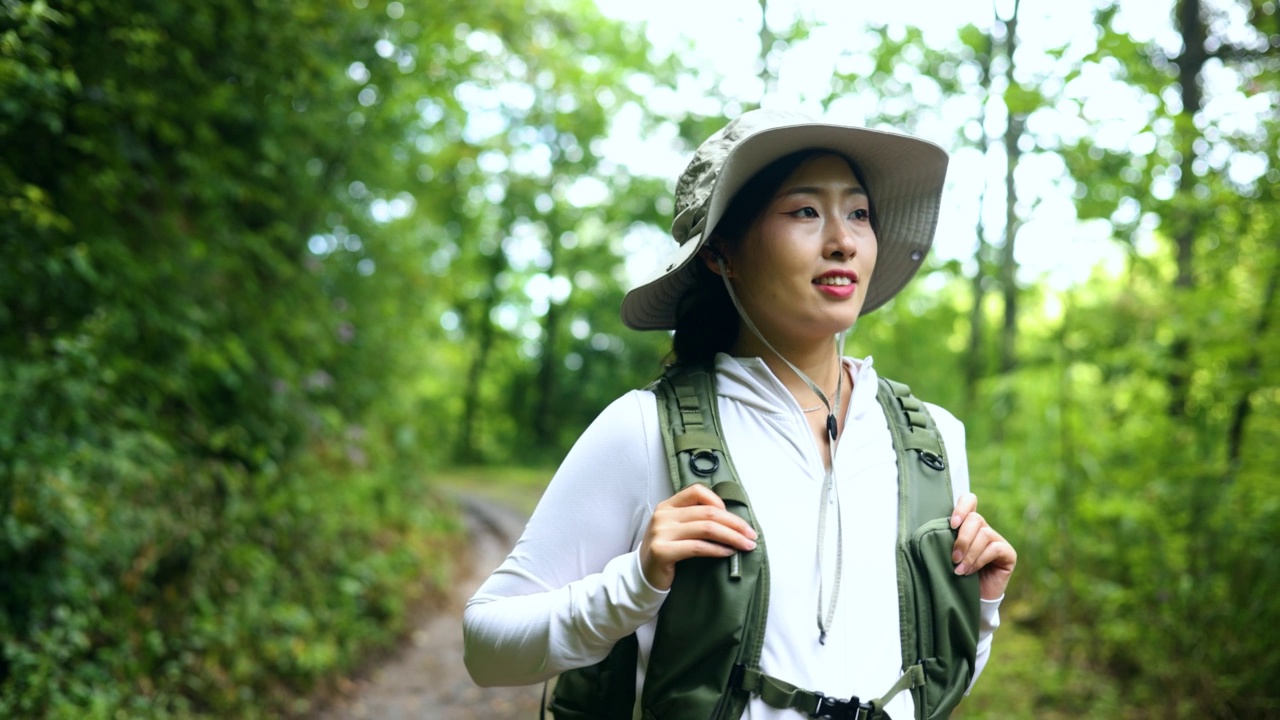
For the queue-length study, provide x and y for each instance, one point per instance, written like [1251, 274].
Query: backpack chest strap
[785, 696]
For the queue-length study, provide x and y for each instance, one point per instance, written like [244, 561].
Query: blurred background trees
[268, 271]
[263, 267]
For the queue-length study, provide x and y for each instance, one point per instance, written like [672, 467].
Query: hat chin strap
[832, 404]
[829, 476]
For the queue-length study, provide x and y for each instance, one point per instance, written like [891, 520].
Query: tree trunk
[1190, 63]
[544, 404]
[1070, 478]
[1008, 263]
[1005, 400]
[768, 82]
[975, 368]
[1249, 373]
[767, 39]
[465, 449]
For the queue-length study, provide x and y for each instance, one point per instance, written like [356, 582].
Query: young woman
[788, 231]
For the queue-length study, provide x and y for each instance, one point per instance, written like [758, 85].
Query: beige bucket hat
[903, 174]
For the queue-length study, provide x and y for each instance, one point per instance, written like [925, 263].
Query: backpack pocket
[604, 691]
[946, 620]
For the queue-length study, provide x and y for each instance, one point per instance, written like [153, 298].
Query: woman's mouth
[838, 285]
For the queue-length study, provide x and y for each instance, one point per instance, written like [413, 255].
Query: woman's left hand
[979, 548]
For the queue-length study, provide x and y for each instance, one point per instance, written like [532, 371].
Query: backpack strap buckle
[783, 695]
[836, 709]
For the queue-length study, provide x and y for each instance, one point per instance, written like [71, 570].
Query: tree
[1172, 361]
[1016, 114]
[235, 234]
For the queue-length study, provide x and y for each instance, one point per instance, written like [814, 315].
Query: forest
[272, 271]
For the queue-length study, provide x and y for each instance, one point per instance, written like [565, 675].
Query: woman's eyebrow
[814, 190]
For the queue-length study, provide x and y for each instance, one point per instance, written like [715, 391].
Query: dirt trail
[426, 679]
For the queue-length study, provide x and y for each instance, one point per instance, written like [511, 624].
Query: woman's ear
[712, 256]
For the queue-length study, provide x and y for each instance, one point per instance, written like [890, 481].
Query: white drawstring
[829, 476]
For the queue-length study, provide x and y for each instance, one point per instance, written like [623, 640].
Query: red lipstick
[837, 283]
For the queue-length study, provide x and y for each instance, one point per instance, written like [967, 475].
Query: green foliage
[192, 520]
[1139, 506]
[250, 251]
[1142, 543]
[266, 265]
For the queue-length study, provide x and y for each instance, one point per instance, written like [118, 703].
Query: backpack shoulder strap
[713, 623]
[924, 479]
[690, 425]
[706, 652]
[938, 610]
[713, 618]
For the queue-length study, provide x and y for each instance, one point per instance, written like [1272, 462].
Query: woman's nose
[841, 242]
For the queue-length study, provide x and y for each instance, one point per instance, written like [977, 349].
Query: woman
[782, 223]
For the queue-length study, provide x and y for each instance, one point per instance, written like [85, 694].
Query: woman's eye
[860, 214]
[806, 212]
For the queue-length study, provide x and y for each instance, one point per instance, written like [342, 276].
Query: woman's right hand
[691, 523]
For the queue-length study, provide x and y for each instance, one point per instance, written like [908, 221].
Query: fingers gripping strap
[690, 678]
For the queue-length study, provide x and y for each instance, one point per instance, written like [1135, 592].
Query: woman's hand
[979, 548]
[691, 523]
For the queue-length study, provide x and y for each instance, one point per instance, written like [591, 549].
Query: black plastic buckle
[835, 709]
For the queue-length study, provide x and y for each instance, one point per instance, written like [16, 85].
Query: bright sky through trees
[722, 38]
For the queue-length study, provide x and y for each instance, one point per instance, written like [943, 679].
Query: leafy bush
[195, 519]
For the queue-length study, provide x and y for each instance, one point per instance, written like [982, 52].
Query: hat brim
[904, 176]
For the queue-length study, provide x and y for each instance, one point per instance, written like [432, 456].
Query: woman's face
[803, 267]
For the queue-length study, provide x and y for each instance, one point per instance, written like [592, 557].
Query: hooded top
[573, 586]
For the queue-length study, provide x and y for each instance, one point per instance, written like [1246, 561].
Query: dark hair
[706, 321]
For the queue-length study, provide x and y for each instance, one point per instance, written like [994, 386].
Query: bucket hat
[904, 176]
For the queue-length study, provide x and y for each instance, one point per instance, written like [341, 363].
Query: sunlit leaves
[512, 203]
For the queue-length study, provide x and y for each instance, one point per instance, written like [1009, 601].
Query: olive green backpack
[705, 660]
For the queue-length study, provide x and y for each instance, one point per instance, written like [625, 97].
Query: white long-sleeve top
[573, 585]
